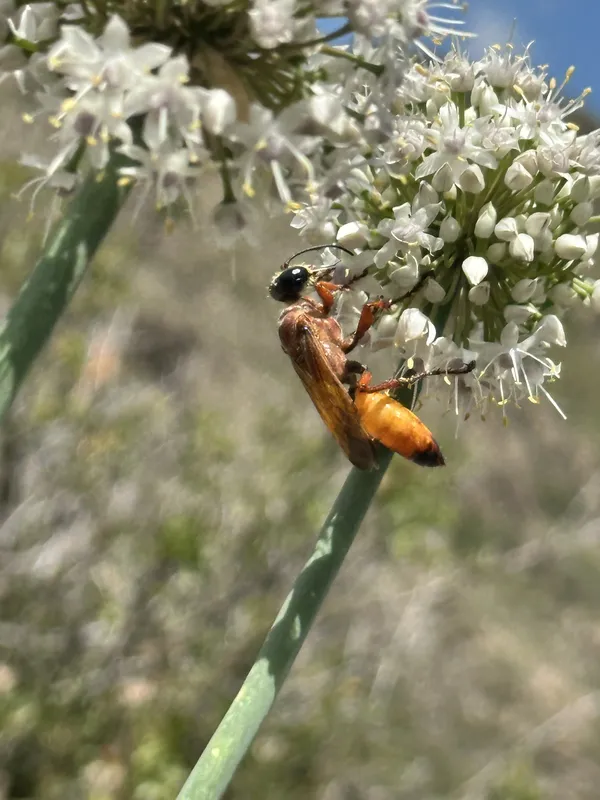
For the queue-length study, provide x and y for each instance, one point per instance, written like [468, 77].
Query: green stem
[330, 37]
[46, 293]
[233, 737]
[376, 69]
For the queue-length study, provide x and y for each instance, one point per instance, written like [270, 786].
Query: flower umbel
[251, 87]
[476, 192]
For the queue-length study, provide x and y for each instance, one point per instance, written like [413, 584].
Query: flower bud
[517, 177]
[451, 195]
[472, 180]
[426, 196]
[475, 268]
[594, 187]
[496, 252]
[556, 217]
[562, 295]
[591, 241]
[517, 314]
[405, 277]
[450, 230]
[521, 219]
[434, 292]
[529, 160]
[570, 246]
[522, 248]
[564, 193]
[539, 296]
[550, 330]
[536, 223]
[509, 335]
[413, 324]
[443, 180]
[353, 235]
[523, 290]
[431, 108]
[218, 110]
[486, 222]
[506, 230]
[485, 98]
[582, 189]
[480, 294]
[544, 241]
[553, 161]
[543, 193]
[581, 213]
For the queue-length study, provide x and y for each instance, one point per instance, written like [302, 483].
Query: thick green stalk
[46, 293]
[233, 737]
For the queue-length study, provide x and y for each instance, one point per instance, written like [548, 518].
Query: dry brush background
[162, 479]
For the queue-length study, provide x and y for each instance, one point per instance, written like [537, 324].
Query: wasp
[363, 413]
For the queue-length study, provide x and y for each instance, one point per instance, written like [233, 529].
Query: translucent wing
[332, 401]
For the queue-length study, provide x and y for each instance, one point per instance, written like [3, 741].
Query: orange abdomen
[395, 426]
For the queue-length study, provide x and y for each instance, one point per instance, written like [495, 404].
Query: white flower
[455, 146]
[167, 104]
[318, 219]
[475, 269]
[521, 247]
[471, 180]
[524, 290]
[104, 63]
[165, 171]
[517, 177]
[353, 235]
[413, 325]
[218, 110]
[272, 22]
[407, 231]
[450, 229]
[496, 252]
[537, 223]
[570, 246]
[582, 213]
[480, 294]
[434, 292]
[486, 221]
[272, 142]
[506, 229]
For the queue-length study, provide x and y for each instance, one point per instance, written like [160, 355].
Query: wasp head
[288, 285]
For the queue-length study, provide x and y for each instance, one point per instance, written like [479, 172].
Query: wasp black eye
[289, 284]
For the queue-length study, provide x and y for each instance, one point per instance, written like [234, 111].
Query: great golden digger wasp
[314, 341]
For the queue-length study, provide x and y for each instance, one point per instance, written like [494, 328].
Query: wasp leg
[364, 384]
[365, 321]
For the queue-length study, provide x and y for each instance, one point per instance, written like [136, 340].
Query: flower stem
[46, 293]
[233, 737]
[376, 69]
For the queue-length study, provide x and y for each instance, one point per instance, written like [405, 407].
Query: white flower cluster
[177, 87]
[471, 199]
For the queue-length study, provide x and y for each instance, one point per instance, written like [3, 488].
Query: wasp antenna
[317, 247]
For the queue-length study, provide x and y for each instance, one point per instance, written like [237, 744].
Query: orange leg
[368, 316]
[364, 383]
[326, 292]
[366, 320]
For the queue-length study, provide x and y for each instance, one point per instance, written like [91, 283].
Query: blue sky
[565, 32]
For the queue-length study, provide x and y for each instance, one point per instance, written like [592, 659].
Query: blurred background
[163, 477]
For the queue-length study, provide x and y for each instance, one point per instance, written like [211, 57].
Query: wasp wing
[332, 401]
